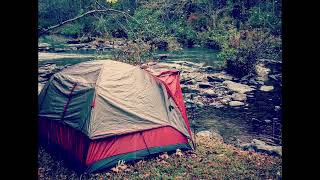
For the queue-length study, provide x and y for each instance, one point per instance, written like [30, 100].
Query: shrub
[135, 52]
[244, 48]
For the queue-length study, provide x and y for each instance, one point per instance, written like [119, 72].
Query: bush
[135, 52]
[244, 48]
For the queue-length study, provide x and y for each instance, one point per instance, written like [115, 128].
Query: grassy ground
[213, 159]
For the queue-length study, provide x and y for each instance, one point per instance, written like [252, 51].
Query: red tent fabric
[171, 80]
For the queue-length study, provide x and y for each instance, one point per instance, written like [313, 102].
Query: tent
[103, 111]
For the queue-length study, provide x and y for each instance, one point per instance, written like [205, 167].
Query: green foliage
[73, 30]
[150, 19]
[245, 47]
[264, 19]
[201, 23]
[170, 25]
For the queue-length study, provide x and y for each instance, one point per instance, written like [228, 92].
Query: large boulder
[235, 103]
[237, 87]
[266, 88]
[260, 146]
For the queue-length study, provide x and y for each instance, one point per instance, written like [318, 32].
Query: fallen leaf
[164, 162]
[146, 175]
[179, 153]
[115, 169]
[122, 166]
[164, 156]
[178, 178]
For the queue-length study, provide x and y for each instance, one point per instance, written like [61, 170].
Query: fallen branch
[83, 15]
[270, 61]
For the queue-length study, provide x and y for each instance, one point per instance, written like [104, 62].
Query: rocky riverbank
[202, 86]
[86, 44]
[242, 110]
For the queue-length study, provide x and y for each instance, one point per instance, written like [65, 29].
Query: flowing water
[259, 120]
[198, 55]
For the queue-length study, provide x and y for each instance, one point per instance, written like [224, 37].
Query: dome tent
[104, 111]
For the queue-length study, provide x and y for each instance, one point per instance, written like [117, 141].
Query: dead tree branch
[43, 31]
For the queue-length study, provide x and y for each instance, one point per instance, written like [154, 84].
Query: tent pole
[145, 143]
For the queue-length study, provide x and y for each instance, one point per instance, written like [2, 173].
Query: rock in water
[267, 121]
[210, 93]
[199, 104]
[214, 79]
[237, 87]
[225, 101]
[209, 69]
[262, 72]
[235, 103]
[238, 97]
[73, 41]
[188, 81]
[187, 89]
[277, 108]
[266, 88]
[43, 46]
[205, 85]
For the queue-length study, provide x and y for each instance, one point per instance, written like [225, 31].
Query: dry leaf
[179, 153]
[114, 169]
[141, 162]
[178, 178]
[120, 167]
[164, 156]
[123, 166]
[164, 162]
[146, 175]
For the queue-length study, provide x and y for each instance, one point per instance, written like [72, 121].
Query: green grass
[213, 159]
